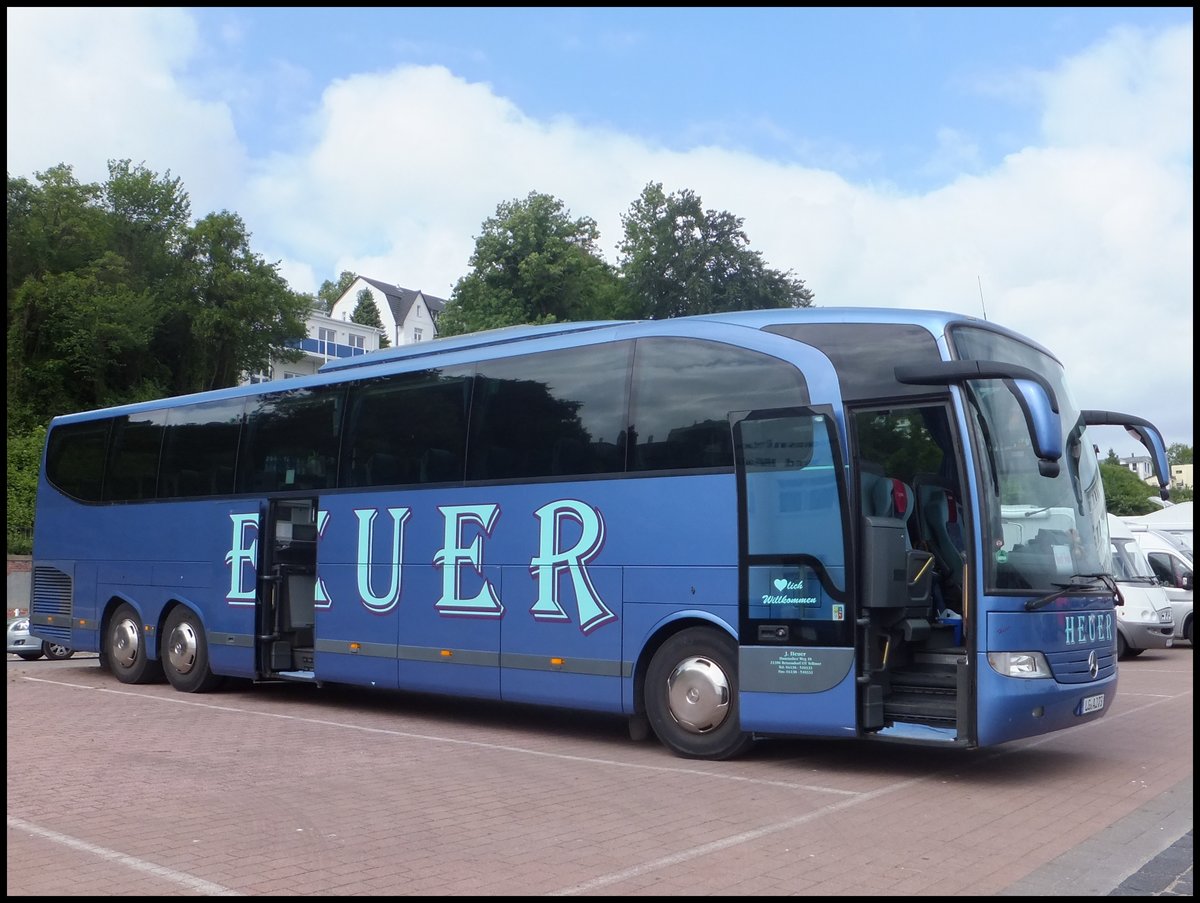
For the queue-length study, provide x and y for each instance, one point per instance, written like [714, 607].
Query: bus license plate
[1091, 704]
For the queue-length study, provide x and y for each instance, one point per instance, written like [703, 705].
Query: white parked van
[1145, 621]
[1174, 519]
[1171, 562]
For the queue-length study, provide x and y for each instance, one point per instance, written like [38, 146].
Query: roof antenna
[981, 303]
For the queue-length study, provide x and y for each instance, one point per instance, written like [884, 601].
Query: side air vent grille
[52, 592]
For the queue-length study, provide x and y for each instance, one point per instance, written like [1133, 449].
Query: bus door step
[297, 675]
[923, 695]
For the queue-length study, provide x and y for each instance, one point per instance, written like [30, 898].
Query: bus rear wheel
[691, 695]
[185, 654]
[125, 648]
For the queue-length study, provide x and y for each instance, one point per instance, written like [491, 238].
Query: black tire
[184, 653]
[30, 656]
[691, 695]
[125, 648]
[57, 652]
[1122, 646]
[1133, 653]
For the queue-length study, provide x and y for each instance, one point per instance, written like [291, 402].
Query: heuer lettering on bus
[1091, 629]
[873, 524]
[554, 557]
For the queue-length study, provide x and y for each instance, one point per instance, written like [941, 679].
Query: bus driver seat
[889, 497]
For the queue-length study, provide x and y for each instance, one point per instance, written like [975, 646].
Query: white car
[30, 648]
[1145, 620]
[1171, 562]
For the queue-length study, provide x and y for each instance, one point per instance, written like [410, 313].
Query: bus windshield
[1038, 530]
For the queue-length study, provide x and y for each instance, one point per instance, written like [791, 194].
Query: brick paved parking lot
[118, 790]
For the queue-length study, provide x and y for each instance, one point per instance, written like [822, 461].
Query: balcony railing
[327, 349]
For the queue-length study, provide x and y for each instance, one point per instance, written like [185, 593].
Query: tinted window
[291, 441]
[866, 354]
[409, 428]
[684, 391]
[200, 449]
[133, 456]
[559, 413]
[75, 458]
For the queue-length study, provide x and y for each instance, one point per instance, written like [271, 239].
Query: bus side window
[683, 391]
[406, 429]
[546, 414]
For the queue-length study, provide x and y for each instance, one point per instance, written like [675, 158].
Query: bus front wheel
[185, 654]
[125, 648]
[692, 695]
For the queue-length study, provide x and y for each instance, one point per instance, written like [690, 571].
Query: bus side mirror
[1185, 581]
[1144, 432]
[1032, 391]
[1043, 422]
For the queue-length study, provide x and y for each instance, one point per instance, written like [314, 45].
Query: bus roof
[500, 336]
[934, 321]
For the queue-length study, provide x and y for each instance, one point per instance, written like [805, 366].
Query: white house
[1180, 474]
[1142, 465]
[325, 340]
[408, 316]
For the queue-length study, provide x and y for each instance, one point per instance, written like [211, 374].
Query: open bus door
[287, 581]
[796, 625]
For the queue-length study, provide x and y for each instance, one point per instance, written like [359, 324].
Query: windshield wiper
[1090, 582]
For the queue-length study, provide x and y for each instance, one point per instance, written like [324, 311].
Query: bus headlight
[1019, 664]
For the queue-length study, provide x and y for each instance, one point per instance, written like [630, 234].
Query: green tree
[54, 226]
[330, 291]
[367, 314]
[533, 263]
[1124, 493]
[678, 258]
[148, 217]
[113, 297]
[80, 314]
[240, 311]
[1112, 457]
[92, 339]
[1179, 453]
[24, 457]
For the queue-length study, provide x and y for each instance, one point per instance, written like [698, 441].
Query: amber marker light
[355, 647]
[446, 653]
[557, 662]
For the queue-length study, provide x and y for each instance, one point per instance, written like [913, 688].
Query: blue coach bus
[780, 523]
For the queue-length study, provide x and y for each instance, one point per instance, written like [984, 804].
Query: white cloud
[89, 85]
[1083, 241]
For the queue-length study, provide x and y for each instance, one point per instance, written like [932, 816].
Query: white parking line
[190, 882]
[726, 842]
[433, 738]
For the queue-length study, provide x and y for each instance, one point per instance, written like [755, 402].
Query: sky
[1029, 166]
